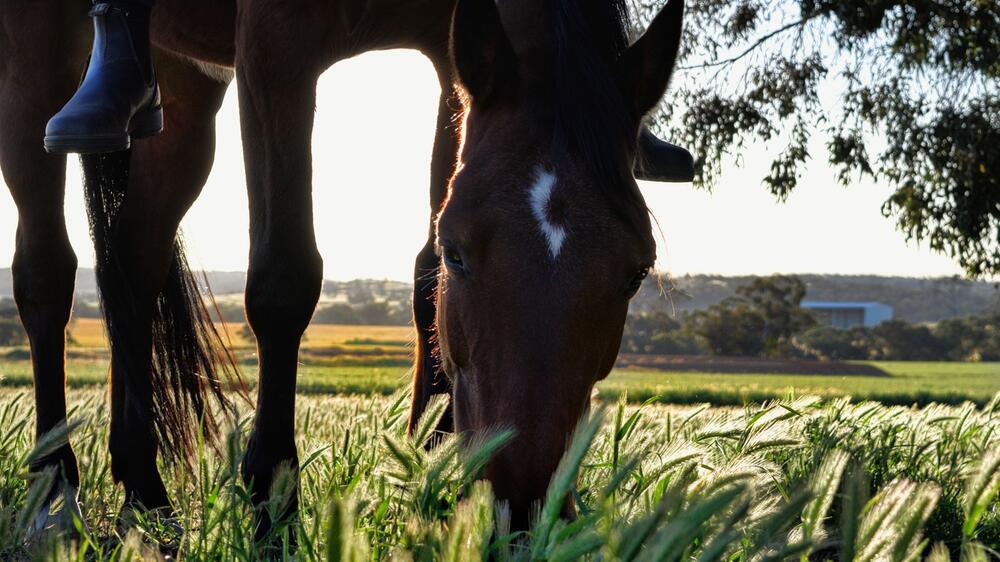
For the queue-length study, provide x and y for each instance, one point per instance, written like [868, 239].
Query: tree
[337, 313]
[374, 313]
[777, 299]
[896, 340]
[731, 327]
[760, 320]
[86, 309]
[658, 332]
[975, 338]
[832, 344]
[916, 85]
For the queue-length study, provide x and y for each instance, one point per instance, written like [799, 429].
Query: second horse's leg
[44, 46]
[277, 101]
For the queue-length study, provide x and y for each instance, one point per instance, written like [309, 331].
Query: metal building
[848, 314]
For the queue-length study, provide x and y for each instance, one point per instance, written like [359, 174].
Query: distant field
[328, 335]
[907, 383]
[89, 333]
[375, 360]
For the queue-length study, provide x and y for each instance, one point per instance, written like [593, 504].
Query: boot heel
[146, 123]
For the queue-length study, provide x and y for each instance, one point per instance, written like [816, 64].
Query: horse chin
[519, 472]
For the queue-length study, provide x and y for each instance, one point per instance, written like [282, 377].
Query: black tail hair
[189, 358]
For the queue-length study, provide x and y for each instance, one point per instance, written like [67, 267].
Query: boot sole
[144, 124]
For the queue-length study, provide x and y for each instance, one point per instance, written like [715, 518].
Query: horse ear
[483, 56]
[645, 67]
[658, 160]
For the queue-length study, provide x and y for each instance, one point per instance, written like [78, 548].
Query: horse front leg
[44, 271]
[45, 50]
[428, 377]
[277, 100]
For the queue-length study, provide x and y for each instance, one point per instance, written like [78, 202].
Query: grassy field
[907, 382]
[802, 480]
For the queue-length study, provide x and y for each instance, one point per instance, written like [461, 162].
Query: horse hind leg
[165, 352]
[50, 45]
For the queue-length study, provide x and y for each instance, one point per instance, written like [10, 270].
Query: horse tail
[169, 386]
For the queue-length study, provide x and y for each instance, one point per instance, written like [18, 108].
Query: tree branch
[755, 44]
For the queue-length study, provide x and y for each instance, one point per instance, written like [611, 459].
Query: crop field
[805, 480]
[376, 360]
[88, 333]
[904, 383]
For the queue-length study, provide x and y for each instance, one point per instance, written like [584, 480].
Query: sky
[370, 178]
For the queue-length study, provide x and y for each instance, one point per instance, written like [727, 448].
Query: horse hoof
[58, 514]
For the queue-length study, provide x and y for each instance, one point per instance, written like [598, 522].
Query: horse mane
[592, 118]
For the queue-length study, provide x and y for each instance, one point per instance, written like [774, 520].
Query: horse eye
[636, 283]
[453, 259]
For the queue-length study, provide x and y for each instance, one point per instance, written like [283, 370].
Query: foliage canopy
[904, 92]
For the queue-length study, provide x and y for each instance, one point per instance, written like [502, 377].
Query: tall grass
[803, 479]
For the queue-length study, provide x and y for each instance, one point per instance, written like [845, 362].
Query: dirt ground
[738, 365]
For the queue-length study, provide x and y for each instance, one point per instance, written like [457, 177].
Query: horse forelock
[575, 46]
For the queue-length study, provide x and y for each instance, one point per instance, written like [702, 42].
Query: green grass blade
[981, 490]
[824, 486]
[671, 542]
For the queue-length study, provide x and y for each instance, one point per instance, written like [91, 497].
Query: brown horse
[543, 236]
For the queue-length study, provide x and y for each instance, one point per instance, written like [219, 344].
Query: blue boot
[118, 99]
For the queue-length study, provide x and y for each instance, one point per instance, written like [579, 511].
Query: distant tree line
[360, 311]
[374, 313]
[918, 300]
[368, 312]
[762, 319]
[765, 319]
[11, 331]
